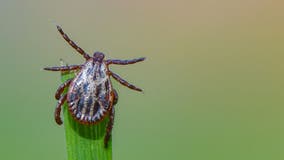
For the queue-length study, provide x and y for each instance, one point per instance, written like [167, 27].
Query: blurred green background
[213, 78]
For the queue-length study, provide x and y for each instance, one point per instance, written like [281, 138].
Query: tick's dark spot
[98, 90]
[90, 102]
[72, 97]
[90, 71]
[85, 88]
[80, 104]
[96, 107]
[107, 86]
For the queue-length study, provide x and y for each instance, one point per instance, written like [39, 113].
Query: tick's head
[98, 56]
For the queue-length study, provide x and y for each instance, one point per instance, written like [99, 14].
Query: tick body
[90, 95]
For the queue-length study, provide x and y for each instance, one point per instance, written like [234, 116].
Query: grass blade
[84, 142]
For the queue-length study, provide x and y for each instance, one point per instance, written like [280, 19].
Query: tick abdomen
[89, 95]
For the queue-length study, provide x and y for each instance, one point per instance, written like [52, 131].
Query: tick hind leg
[62, 87]
[111, 120]
[124, 62]
[63, 68]
[109, 127]
[58, 109]
[124, 82]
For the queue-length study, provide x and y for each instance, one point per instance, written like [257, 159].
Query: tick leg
[58, 109]
[124, 82]
[115, 97]
[63, 68]
[74, 45]
[61, 88]
[124, 62]
[109, 127]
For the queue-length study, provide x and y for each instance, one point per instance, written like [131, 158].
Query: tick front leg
[109, 127]
[73, 44]
[124, 82]
[61, 88]
[124, 62]
[63, 68]
[58, 109]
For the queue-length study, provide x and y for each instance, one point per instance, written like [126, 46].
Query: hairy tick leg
[124, 82]
[61, 88]
[58, 109]
[109, 127]
[124, 62]
[63, 68]
[74, 45]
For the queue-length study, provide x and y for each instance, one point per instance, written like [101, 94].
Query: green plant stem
[84, 142]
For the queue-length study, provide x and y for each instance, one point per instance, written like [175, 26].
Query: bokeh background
[213, 78]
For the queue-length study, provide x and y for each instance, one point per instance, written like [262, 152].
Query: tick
[90, 96]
